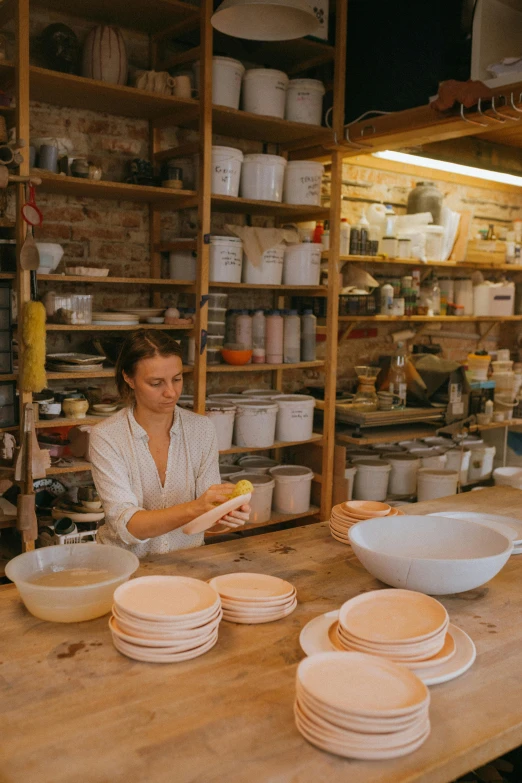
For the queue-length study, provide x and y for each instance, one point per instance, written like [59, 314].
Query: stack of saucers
[401, 625]
[345, 515]
[360, 707]
[165, 619]
[254, 598]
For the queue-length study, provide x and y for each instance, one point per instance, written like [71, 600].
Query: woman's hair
[141, 344]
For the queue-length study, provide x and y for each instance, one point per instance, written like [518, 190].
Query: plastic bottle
[397, 376]
[386, 299]
[258, 337]
[308, 336]
[274, 337]
[435, 296]
[292, 338]
[345, 237]
[244, 330]
[488, 408]
[318, 233]
[364, 228]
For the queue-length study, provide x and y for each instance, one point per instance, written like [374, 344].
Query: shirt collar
[137, 430]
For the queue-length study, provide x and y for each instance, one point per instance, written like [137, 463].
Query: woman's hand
[236, 518]
[214, 496]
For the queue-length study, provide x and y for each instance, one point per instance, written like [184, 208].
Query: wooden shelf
[255, 207]
[316, 438]
[80, 93]
[63, 421]
[7, 275]
[244, 125]
[102, 328]
[78, 467]
[103, 373]
[313, 290]
[261, 367]
[11, 376]
[428, 318]
[88, 188]
[425, 264]
[160, 281]
[277, 519]
[375, 435]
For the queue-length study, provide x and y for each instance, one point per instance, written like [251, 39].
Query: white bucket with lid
[302, 183]
[261, 500]
[262, 394]
[229, 472]
[295, 418]
[430, 458]
[371, 479]
[264, 92]
[349, 475]
[260, 465]
[226, 259]
[227, 75]
[508, 477]
[226, 397]
[403, 474]
[182, 263]
[302, 264]
[269, 271]
[481, 463]
[262, 177]
[304, 101]
[222, 415]
[226, 170]
[255, 423]
[459, 459]
[433, 484]
[293, 488]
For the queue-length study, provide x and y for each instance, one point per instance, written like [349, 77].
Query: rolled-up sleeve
[208, 473]
[113, 485]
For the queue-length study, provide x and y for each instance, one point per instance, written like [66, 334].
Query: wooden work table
[74, 709]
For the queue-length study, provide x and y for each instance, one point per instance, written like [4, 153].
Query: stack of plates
[142, 313]
[347, 514]
[360, 707]
[74, 362]
[401, 625]
[115, 319]
[165, 619]
[254, 598]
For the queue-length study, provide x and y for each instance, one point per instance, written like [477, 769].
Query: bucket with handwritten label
[295, 417]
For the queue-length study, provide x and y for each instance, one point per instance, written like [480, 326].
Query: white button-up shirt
[127, 479]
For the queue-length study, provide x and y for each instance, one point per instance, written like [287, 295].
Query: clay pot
[75, 408]
[105, 55]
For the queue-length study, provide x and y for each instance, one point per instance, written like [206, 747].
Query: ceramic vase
[105, 55]
[74, 408]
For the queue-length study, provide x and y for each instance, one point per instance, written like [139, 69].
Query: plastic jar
[182, 263]
[244, 330]
[274, 337]
[292, 338]
[464, 294]
[226, 259]
[434, 242]
[255, 423]
[264, 92]
[426, 197]
[261, 500]
[222, 415]
[371, 480]
[258, 337]
[302, 184]
[433, 484]
[227, 75]
[479, 366]
[217, 300]
[226, 170]
[269, 271]
[308, 336]
[293, 489]
[403, 474]
[295, 418]
[304, 101]
[302, 264]
[260, 465]
[262, 177]
[217, 314]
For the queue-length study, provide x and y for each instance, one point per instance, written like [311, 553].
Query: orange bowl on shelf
[231, 356]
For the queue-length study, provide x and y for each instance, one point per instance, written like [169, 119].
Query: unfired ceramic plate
[251, 587]
[209, 519]
[166, 597]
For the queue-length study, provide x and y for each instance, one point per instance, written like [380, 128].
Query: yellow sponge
[33, 335]
[243, 487]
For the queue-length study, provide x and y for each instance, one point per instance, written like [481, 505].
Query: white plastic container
[258, 337]
[434, 242]
[227, 75]
[261, 500]
[182, 263]
[302, 264]
[508, 477]
[262, 177]
[226, 170]
[264, 92]
[430, 458]
[222, 415]
[260, 465]
[371, 479]
[295, 418]
[302, 183]
[403, 474]
[229, 472]
[291, 337]
[274, 337]
[269, 271]
[255, 423]
[244, 330]
[226, 259]
[481, 463]
[304, 101]
[459, 459]
[433, 484]
[293, 488]
[349, 475]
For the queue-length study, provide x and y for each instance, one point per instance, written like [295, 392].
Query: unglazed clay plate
[166, 598]
[244, 586]
[209, 519]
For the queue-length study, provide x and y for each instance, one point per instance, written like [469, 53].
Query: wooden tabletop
[74, 709]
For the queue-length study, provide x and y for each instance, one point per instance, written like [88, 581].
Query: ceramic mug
[182, 87]
[163, 82]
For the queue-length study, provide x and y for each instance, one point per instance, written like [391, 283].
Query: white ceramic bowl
[70, 604]
[50, 256]
[433, 555]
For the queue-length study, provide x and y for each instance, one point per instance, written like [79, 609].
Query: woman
[155, 465]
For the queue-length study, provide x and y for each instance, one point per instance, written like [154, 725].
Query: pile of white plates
[401, 625]
[165, 619]
[345, 515]
[359, 706]
[254, 598]
[109, 318]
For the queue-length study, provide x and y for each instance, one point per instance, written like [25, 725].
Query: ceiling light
[265, 20]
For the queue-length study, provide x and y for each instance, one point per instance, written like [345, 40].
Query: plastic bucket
[302, 264]
[226, 81]
[295, 418]
[262, 177]
[459, 459]
[261, 394]
[269, 271]
[304, 101]
[226, 170]
[182, 263]
[255, 423]
[264, 92]
[433, 484]
[222, 415]
[229, 472]
[481, 463]
[259, 465]
[226, 397]
[508, 477]
[293, 488]
[302, 183]
[403, 474]
[430, 458]
[349, 475]
[371, 480]
[478, 366]
[226, 259]
[261, 500]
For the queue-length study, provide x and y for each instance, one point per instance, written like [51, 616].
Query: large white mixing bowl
[433, 555]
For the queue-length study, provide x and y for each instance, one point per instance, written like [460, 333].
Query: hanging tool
[26, 512]
[29, 255]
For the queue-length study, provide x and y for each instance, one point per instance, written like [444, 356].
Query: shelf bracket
[484, 334]
[349, 329]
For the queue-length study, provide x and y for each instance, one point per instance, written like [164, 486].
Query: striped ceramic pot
[105, 55]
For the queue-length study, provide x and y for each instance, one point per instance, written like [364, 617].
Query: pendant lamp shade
[265, 20]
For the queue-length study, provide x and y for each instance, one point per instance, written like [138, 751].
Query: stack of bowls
[254, 598]
[360, 707]
[402, 625]
[165, 619]
[345, 515]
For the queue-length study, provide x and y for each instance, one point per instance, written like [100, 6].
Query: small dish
[155, 320]
[235, 357]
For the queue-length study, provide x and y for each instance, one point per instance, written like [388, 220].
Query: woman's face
[157, 383]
